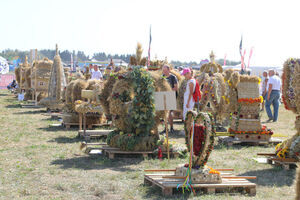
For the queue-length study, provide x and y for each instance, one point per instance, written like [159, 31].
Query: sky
[181, 30]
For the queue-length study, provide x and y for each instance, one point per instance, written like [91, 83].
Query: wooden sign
[89, 94]
[170, 100]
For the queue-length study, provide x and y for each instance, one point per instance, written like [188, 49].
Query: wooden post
[84, 124]
[20, 86]
[166, 126]
[35, 79]
[31, 70]
[80, 121]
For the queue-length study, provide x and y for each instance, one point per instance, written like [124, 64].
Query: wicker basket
[250, 109]
[248, 90]
[246, 125]
[253, 137]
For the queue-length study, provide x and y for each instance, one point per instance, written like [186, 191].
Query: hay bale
[43, 69]
[68, 93]
[160, 83]
[121, 87]
[235, 79]
[17, 73]
[28, 77]
[180, 97]
[228, 73]
[77, 87]
[92, 84]
[106, 92]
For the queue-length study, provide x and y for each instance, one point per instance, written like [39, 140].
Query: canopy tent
[4, 67]
[257, 69]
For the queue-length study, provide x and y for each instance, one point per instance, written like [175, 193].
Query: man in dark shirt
[174, 85]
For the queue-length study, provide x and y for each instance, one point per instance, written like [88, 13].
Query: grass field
[38, 162]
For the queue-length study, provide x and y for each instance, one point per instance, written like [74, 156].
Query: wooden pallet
[230, 141]
[112, 152]
[285, 163]
[88, 134]
[229, 183]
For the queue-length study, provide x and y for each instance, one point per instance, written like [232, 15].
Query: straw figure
[131, 104]
[290, 148]
[74, 99]
[211, 67]
[129, 97]
[56, 85]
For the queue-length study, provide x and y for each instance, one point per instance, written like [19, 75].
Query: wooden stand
[241, 139]
[88, 134]
[285, 163]
[112, 152]
[168, 182]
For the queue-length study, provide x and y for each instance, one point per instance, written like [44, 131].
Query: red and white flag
[250, 55]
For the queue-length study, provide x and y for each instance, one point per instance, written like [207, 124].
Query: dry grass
[38, 162]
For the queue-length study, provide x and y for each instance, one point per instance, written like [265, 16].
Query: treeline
[65, 55]
[80, 56]
[193, 63]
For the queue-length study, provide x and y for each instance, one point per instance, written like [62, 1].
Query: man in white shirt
[96, 74]
[273, 95]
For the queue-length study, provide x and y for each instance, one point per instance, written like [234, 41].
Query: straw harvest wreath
[132, 104]
[213, 91]
[203, 141]
[291, 99]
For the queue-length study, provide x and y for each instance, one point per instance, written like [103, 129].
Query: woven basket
[250, 109]
[253, 137]
[246, 125]
[248, 90]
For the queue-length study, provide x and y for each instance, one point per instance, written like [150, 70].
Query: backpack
[197, 93]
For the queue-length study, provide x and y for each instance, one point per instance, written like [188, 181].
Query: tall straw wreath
[291, 100]
[213, 90]
[204, 142]
[132, 104]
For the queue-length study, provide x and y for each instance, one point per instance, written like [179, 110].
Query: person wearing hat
[188, 103]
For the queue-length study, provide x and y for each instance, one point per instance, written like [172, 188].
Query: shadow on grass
[50, 119]
[272, 177]
[155, 192]
[96, 162]
[57, 128]
[30, 112]
[66, 140]
[13, 106]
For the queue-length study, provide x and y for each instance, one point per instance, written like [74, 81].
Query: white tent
[4, 67]
[257, 69]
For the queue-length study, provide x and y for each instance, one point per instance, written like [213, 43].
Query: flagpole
[150, 39]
